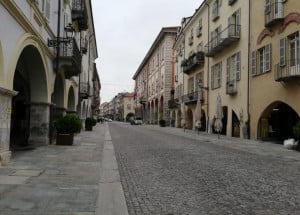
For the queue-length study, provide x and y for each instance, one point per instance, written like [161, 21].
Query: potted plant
[162, 123]
[89, 123]
[66, 126]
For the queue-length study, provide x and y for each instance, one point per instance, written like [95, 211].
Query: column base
[5, 158]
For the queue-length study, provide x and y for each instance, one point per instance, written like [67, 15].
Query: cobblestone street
[169, 174]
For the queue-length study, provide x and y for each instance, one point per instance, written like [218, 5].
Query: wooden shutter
[268, 57]
[219, 74]
[238, 66]
[282, 43]
[253, 63]
[228, 69]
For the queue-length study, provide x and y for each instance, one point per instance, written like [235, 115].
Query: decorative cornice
[291, 17]
[266, 32]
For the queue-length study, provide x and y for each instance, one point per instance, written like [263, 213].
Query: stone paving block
[29, 173]
[13, 179]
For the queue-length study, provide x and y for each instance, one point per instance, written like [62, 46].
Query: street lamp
[66, 40]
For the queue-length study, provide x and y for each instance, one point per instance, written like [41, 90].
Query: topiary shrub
[89, 123]
[70, 123]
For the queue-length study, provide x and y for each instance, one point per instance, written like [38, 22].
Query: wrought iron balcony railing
[274, 13]
[79, 14]
[173, 103]
[225, 38]
[193, 97]
[192, 62]
[69, 58]
[289, 71]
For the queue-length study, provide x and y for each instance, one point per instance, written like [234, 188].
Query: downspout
[208, 60]
[248, 87]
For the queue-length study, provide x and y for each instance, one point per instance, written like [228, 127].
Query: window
[191, 85]
[44, 6]
[215, 9]
[261, 60]
[216, 74]
[234, 22]
[233, 67]
[199, 29]
[191, 38]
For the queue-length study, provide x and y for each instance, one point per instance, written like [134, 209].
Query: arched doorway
[129, 117]
[203, 121]
[277, 121]
[235, 125]
[71, 100]
[189, 119]
[30, 108]
[173, 118]
[224, 121]
[178, 119]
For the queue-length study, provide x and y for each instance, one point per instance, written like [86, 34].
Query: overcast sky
[125, 31]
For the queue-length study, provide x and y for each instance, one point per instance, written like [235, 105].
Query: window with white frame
[216, 75]
[233, 67]
[234, 22]
[261, 60]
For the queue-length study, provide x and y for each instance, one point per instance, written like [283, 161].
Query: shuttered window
[253, 63]
[282, 52]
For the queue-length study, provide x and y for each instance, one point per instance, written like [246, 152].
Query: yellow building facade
[274, 71]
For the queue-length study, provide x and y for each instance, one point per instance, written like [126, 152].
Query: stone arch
[28, 40]
[276, 122]
[30, 107]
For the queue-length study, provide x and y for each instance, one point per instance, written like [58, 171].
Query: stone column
[5, 118]
[39, 123]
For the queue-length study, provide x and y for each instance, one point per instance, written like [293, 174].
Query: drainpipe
[208, 60]
[248, 87]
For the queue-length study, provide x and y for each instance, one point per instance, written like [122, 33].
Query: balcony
[288, 72]
[173, 103]
[192, 97]
[223, 39]
[84, 90]
[142, 100]
[192, 62]
[274, 13]
[79, 14]
[231, 88]
[69, 58]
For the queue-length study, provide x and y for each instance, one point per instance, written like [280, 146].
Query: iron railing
[288, 71]
[274, 13]
[226, 37]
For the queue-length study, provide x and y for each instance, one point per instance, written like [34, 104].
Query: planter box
[88, 128]
[64, 139]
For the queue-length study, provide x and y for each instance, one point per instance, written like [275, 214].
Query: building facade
[153, 78]
[274, 68]
[212, 60]
[41, 56]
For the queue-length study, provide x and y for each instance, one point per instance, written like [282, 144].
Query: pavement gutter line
[111, 199]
